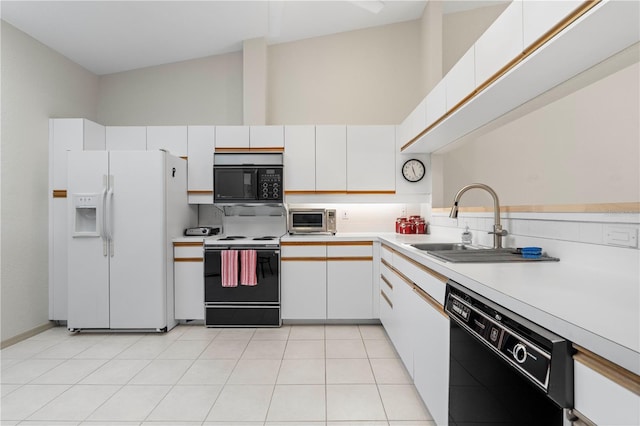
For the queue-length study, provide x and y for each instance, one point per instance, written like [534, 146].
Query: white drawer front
[434, 287]
[386, 253]
[187, 251]
[304, 251]
[350, 250]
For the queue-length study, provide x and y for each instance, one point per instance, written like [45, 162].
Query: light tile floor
[298, 375]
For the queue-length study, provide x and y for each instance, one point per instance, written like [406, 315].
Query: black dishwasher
[504, 369]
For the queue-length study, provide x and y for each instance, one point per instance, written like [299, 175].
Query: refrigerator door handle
[109, 215]
[103, 225]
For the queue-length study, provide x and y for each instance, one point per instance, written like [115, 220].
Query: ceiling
[112, 36]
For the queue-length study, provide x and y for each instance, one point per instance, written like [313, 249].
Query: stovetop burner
[232, 237]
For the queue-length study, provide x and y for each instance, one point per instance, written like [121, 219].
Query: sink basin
[461, 253]
[488, 255]
[442, 246]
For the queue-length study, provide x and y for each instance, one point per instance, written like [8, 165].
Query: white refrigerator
[124, 209]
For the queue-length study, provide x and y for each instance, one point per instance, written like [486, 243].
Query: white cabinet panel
[414, 123]
[319, 250]
[436, 103]
[304, 289]
[331, 158]
[540, 16]
[349, 293]
[65, 134]
[501, 43]
[300, 158]
[431, 358]
[126, 138]
[371, 158]
[266, 136]
[94, 136]
[404, 334]
[434, 287]
[169, 138]
[460, 81]
[232, 137]
[603, 401]
[355, 250]
[189, 285]
[200, 147]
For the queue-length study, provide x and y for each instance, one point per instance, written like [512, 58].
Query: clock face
[413, 170]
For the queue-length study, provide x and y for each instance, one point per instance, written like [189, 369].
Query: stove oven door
[242, 305]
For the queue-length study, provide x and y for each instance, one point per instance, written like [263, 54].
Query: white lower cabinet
[304, 289]
[418, 327]
[431, 358]
[188, 269]
[327, 280]
[349, 293]
[602, 400]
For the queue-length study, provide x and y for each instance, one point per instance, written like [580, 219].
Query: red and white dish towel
[248, 263]
[229, 268]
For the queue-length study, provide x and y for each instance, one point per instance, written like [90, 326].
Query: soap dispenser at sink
[466, 236]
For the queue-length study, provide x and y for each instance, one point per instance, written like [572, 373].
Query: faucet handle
[497, 230]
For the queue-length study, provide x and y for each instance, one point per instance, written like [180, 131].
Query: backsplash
[619, 229]
[590, 240]
[369, 217]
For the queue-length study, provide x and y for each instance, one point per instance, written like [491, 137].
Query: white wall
[37, 83]
[359, 77]
[200, 91]
[579, 149]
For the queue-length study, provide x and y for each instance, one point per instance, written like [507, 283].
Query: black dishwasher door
[485, 390]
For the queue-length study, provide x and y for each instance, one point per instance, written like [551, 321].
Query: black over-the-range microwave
[248, 178]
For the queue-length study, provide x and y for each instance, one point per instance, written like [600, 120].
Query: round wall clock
[413, 170]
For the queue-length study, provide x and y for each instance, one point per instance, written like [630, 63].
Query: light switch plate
[623, 236]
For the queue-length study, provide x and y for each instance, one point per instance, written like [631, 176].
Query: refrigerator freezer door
[137, 225]
[88, 267]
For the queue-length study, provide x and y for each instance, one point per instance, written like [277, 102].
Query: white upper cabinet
[414, 123]
[266, 136]
[200, 147]
[436, 103]
[538, 17]
[70, 134]
[371, 158]
[331, 158]
[126, 138]
[501, 43]
[299, 158]
[232, 137]
[461, 80]
[168, 138]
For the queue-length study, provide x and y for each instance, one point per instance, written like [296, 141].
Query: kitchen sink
[443, 246]
[461, 253]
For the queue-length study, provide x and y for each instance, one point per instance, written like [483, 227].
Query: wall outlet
[623, 236]
[403, 211]
[345, 215]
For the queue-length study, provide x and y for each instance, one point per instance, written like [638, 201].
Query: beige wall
[460, 31]
[431, 47]
[360, 77]
[579, 149]
[200, 91]
[37, 83]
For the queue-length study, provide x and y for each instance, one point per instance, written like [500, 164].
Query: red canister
[399, 221]
[420, 226]
[407, 227]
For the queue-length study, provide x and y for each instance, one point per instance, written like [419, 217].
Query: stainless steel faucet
[498, 232]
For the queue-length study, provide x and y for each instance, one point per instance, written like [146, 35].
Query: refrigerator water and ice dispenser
[86, 218]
